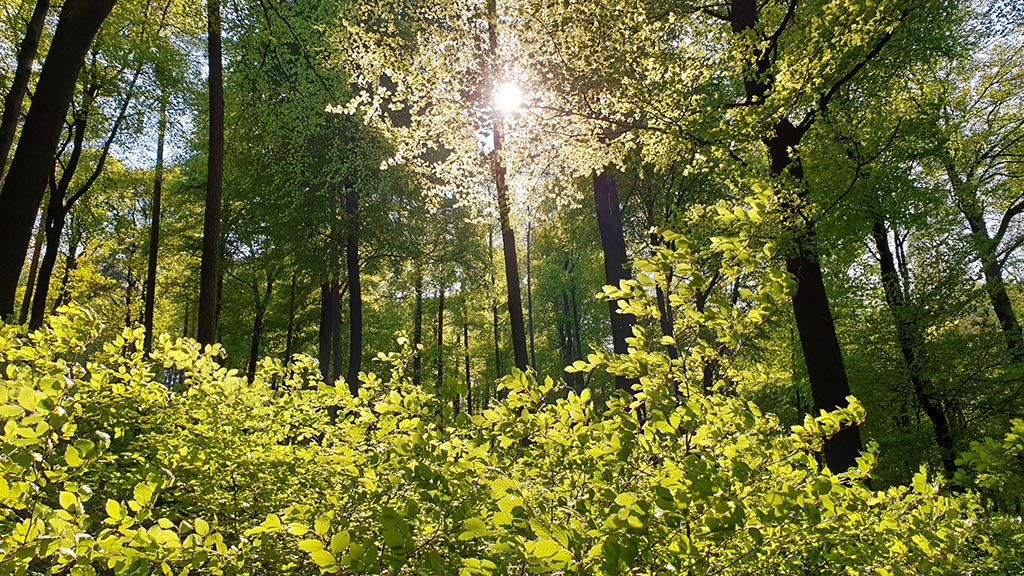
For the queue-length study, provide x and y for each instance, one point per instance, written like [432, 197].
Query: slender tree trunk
[911, 342]
[54, 228]
[494, 307]
[209, 272]
[22, 75]
[335, 331]
[613, 244]
[257, 326]
[32, 165]
[288, 341]
[465, 358]
[529, 296]
[417, 333]
[33, 270]
[440, 336]
[355, 294]
[324, 333]
[154, 228]
[508, 238]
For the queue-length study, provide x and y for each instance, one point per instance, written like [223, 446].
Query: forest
[508, 287]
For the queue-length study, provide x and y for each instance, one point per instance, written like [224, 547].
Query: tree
[25, 184]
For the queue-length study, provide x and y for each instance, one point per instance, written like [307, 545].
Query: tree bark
[22, 75]
[335, 331]
[209, 267]
[54, 227]
[494, 308]
[355, 295]
[911, 342]
[613, 245]
[154, 228]
[30, 169]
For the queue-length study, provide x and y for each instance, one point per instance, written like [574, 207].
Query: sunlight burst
[507, 97]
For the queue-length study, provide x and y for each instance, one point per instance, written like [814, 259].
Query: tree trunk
[613, 245]
[54, 228]
[494, 308]
[823, 356]
[257, 326]
[335, 331]
[355, 295]
[324, 333]
[33, 159]
[440, 337]
[209, 268]
[911, 342]
[417, 333]
[22, 75]
[529, 296]
[288, 341]
[33, 270]
[465, 358]
[154, 229]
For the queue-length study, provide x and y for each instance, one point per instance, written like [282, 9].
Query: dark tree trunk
[911, 342]
[335, 331]
[822, 354]
[417, 333]
[529, 297]
[288, 341]
[33, 270]
[54, 228]
[613, 245]
[209, 273]
[257, 325]
[465, 359]
[440, 337]
[355, 294]
[19, 86]
[154, 229]
[324, 333]
[31, 167]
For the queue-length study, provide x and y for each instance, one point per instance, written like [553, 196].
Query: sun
[507, 97]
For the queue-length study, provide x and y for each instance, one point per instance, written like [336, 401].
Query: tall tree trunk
[32, 165]
[613, 245]
[257, 325]
[465, 358]
[355, 295]
[22, 74]
[417, 333]
[335, 330]
[154, 228]
[324, 333]
[508, 238]
[209, 273]
[440, 337]
[494, 308]
[289, 338]
[33, 270]
[54, 228]
[911, 342]
[818, 339]
[529, 296]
